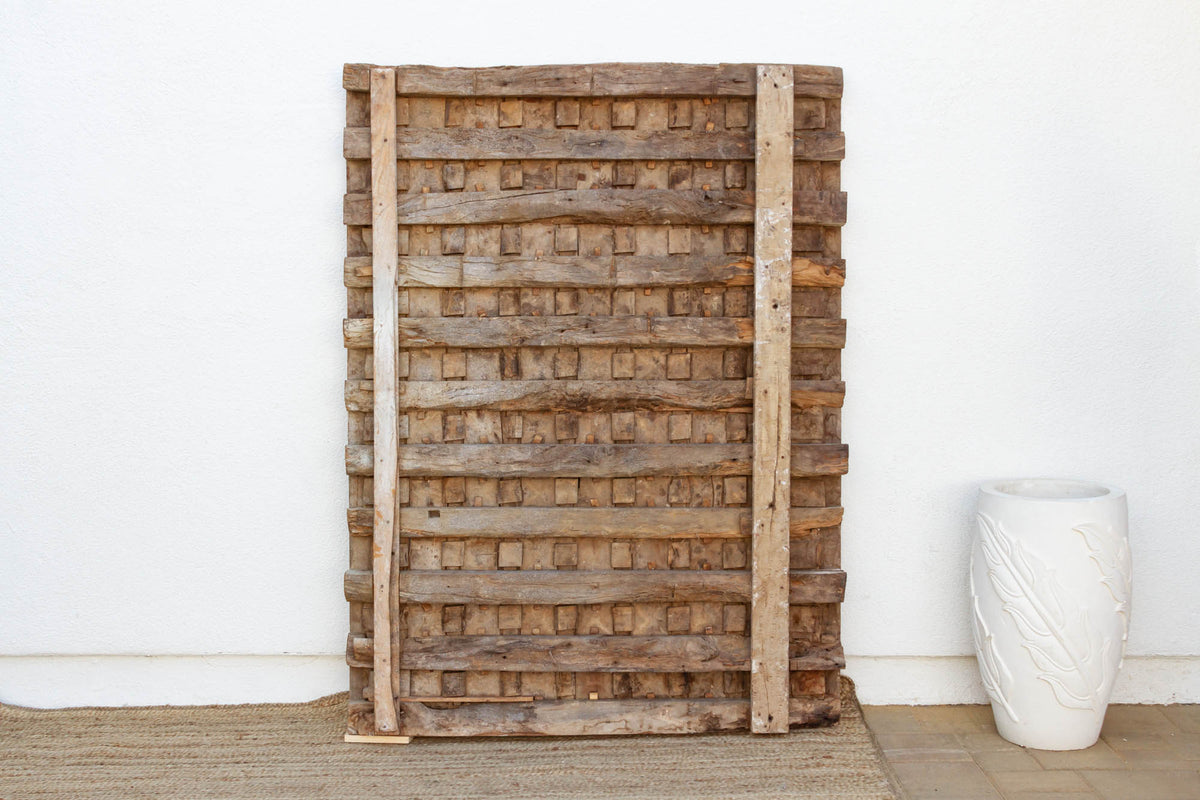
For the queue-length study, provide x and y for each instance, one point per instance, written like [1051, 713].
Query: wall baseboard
[100, 680]
[950, 680]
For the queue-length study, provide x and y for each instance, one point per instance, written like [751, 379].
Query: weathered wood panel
[576, 413]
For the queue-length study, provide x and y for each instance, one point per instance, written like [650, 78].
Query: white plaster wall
[1023, 255]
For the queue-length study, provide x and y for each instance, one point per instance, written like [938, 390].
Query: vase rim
[1051, 489]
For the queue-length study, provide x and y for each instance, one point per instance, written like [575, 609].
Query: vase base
[1050, 734]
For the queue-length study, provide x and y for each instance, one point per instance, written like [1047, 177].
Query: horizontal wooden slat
[676, 653]
[812, 460]
[591, 460]
[566, 395]
[577, 718]
[578, 331]
[623, 523]
[569, 587]
[491, 332]
[584, 272]
[575, 460]
[679, 653]
[596, 206]
[618, 80]
[531, 143]
[615, 523]
[592, 717]
[816, 659]
[818, 332]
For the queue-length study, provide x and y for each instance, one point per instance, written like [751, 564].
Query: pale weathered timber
[624, 523]
[384, 254]
[771, 479]
[571, 80]
[592, 460]
[610, 523]
[566, 587]
[595, 206]
[679, 653]
[604, 717]
[517, 143]
[566, 395]
[578, 718]
[585, 272]
[636, 331]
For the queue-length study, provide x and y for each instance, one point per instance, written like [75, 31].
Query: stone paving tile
[1098, 756]
[1038, 781]
[1145, 753]
[891, 719]
[1145, 784]
[1165, 759]
[1015, 760]
[1086, 795]
[1126, 742]
[961, 781]
[1187, 745]
[1185, 717]
[1126, 720]
[985, 741]
[954, 719]
[906, 747]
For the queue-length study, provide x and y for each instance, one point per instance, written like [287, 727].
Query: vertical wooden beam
[772, 411]
[384, 257]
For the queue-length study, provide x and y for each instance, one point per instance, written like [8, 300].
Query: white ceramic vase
[1050, 601]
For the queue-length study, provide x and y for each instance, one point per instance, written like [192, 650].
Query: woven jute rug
[296, 751]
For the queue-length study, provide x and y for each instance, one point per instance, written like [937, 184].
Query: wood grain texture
[591, 653]
[384, 255]
[569, 395]
[681, 653]
[617, 80]
[584, 272]
[595, 206]
[771, 479]
[607, 523]
[608, 460]
[566, 587]
[634, 331]
[520, 143]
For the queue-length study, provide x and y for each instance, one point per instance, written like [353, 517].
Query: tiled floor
[1144, 753]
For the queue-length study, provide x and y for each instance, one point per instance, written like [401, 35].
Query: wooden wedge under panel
[594, 342]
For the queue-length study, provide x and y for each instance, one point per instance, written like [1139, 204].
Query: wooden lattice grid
[573, 535]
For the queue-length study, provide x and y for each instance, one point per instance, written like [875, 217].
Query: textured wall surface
[1023, 257]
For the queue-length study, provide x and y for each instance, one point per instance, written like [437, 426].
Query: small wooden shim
[772, 403]
[593, 341]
